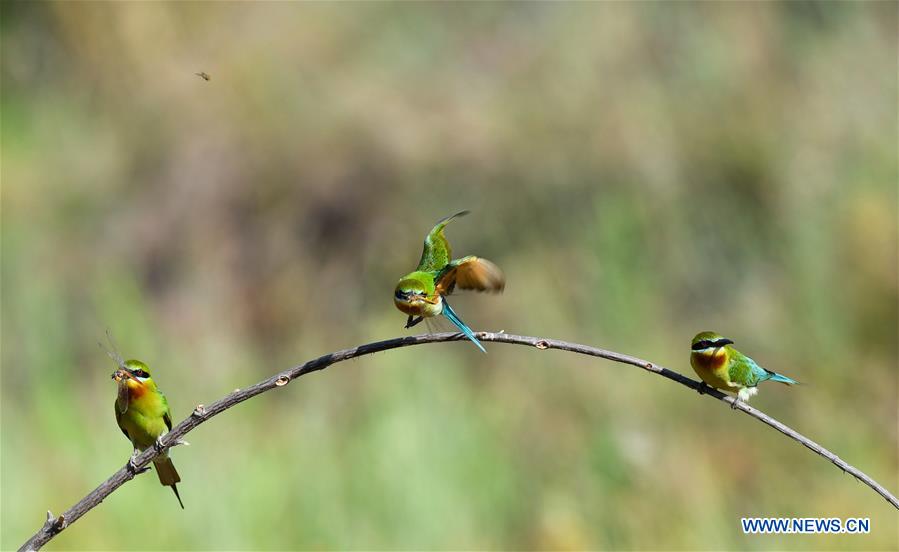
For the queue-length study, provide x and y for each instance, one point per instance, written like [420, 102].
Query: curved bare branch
[53, 526]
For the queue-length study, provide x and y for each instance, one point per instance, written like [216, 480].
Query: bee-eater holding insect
[725, 368]
[143, 415]
[422, 294]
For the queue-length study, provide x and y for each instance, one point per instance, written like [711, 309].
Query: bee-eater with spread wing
[422, 293]
[725, 368]
[143, 415]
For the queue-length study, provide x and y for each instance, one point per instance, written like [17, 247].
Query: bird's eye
[700, 345]
[400, 294]
[141, 373]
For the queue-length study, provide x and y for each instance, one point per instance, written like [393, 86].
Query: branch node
[282, 381]
[542, 345]
[199, 411]
[54, 524]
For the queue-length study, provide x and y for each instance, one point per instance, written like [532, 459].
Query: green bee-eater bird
[725, 368]
[143, 415]
[422, 293]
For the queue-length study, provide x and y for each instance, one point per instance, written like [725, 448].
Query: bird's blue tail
[782, 379]
[449, 313]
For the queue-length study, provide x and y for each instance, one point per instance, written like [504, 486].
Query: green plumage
[436, 253]
[744, 371]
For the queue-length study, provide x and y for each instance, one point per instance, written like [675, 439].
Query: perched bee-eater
[725, 368]
[143, 415]
[422, 294]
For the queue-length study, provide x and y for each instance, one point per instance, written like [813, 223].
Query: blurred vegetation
[641, 172]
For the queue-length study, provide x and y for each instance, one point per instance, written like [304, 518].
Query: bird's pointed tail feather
[782, 379]
[168, 476]
[449, 313]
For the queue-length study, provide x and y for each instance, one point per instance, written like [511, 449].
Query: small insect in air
[202, 75]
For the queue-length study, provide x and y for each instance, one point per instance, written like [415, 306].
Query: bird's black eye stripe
[706, 343]
[141, 373]
[400, 294]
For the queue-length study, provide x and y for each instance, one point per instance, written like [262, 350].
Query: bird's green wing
[470, 272]
[166, 412]
[744, 371]
[436, 253]
[118, 419]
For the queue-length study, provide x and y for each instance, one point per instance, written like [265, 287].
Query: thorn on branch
[836, 462]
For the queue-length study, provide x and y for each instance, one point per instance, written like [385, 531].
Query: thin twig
[53, 526]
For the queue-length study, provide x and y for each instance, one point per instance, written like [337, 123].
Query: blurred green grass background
[641, 172]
